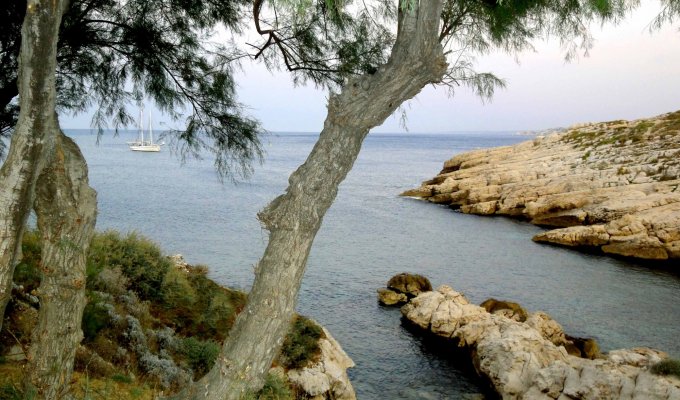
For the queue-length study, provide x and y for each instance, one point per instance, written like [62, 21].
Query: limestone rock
[326, 378]
[507, 309]
[583, 347]
[637, 356]
[612, 186]
[389, 297]
[528, 360]
[409, 284]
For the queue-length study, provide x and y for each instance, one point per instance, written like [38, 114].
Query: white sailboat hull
[146, 148]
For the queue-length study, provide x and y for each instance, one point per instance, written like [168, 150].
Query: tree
[670, 9]
[417, 58]
[371, 85]
[112, 53]
[45, 171]
[42, 157]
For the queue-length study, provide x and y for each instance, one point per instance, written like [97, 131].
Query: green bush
[27, 272]
[139, 258]
[9, 392]
[667, 367]
[301, 344]
[275, 388]
[121, 378]
[195, 306]
[95, 318]
[200, 355]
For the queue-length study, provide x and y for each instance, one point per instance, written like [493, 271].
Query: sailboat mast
[140, 134]
[150, 130]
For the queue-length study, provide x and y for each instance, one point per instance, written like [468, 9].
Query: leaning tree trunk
[66, 207]
[294, 218]
[33, 138]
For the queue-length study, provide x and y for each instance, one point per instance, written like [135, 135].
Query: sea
[371, 234]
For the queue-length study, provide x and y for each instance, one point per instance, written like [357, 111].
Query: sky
[630, 73]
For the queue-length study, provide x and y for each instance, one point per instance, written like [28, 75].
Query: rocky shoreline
[528, 356]
[154, 324]
[612, 186]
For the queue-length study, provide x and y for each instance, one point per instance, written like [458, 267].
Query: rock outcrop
[612, 186]
[528, 360]
[327, 378]
[402, 287]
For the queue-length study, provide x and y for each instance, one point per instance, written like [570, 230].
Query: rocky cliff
[611, 185]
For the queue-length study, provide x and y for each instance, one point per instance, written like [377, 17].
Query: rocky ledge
[526, 355]
[612, 186]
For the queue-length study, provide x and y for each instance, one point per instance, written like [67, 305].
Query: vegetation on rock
[667, 367]
[150, 324]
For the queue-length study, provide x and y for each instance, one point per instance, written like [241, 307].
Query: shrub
[196, 306]
[139, 259]
[667, 367]
[95, 318]
[9, 392]
[121, 378]
[200, 355]
[176, 289]
[301, 344]
[111, 280]
[275, 388]
[27, 273]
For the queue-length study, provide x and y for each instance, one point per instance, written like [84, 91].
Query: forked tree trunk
[294, 218]
[33, 138]
[66, 207]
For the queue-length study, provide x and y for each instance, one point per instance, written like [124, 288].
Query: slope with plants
[152, 325]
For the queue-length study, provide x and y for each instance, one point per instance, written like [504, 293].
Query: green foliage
[274, 388]
[197, 306]
[121, 378]
[27, 272]
[200, 355]
[667, 367]
[113, 54]
[9, 392]
[95, 318]
[301, 344]
[137, 257]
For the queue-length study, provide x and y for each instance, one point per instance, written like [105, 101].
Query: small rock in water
[410, 284]
[389, 297]
[402, 287]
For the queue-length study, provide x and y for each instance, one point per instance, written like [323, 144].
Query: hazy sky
[630, 73]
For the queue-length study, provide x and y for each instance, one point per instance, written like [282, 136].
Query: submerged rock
[611, 186]
[529, 360]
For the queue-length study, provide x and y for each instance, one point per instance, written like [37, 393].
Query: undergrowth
[148, 324]
[667, 367]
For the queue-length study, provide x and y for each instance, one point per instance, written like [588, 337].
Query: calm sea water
[371, 234]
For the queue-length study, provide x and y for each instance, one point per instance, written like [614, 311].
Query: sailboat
[144, 145]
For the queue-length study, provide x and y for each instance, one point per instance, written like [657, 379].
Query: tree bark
[294, 218]
[66, 207]
[33, 139]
